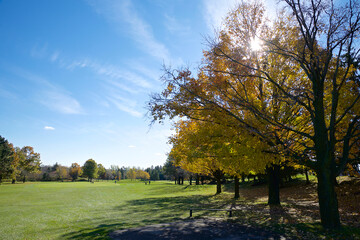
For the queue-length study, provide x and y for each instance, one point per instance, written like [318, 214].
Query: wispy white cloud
[44, 52]
[7, 94]
[125, 105]
[215, 12]
[135, 78]
[50, 95]
[175, 27]
[54, 56]
[126, 101]
[120, 12]
[112, 73]
[49, 128]
[131, 146]
[60, 101]
[39, 51]
[99, 99]
[149, 73]
[116, 83]
[115, 96]
[111, 84]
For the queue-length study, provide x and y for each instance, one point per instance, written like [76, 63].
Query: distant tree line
[91, 170]
[21, 164]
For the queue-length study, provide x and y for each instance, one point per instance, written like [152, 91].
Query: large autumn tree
[222, 85]
[318, 82]
[299, 93]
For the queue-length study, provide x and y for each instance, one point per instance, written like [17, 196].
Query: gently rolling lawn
[82, 210]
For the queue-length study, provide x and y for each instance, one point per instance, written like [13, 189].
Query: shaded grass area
[298, 216]
[91, 211]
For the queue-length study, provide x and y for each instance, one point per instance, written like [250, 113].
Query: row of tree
[17, 162]
[293, 102]
[22, 164]
[92, 170]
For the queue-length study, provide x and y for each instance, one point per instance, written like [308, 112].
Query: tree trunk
[218, 185]
[182, 180]
[197, 181]
[13, 181]
[24, 179]
[175, 181]
[236, 185]
[274, 184]
[218, 175]
[190, 180]
[179, 181]
[307, 177]
[324, 143]
[242, 179]
[202, 180]
[326, 174]
[282, 182]
[328, 203]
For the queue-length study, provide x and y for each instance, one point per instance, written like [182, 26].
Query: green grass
[82, 210]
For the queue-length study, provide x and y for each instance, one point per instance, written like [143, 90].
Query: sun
[255, 44]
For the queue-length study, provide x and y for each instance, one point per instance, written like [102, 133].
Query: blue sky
[75, 75]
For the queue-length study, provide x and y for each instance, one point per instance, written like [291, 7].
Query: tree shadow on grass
[279, 215]
[101, 231]
[142, 212]
[156, 210]
[296, 190]
[299, 201]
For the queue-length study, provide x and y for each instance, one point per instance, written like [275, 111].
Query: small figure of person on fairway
[149, 181]
[115, 181]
